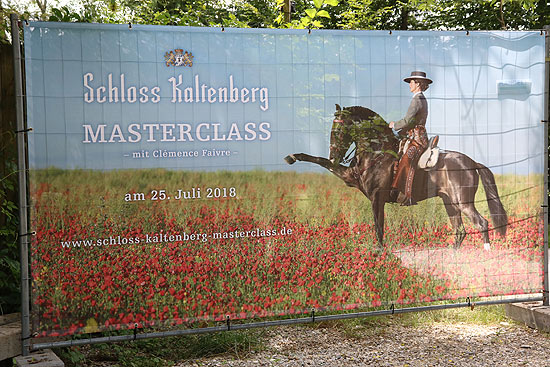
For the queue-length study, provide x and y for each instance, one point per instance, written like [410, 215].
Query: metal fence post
[546, 286]
[22, 168]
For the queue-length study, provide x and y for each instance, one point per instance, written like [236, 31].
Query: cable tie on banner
[543, 121]
[468, 300]
[228, 322]
[223, 28]
[392, 308]
[23, 131]
[467, 32]
[135, 331]
[309, 31]
[129, 25]
[313, 315]
[28, 234]
[390, 32]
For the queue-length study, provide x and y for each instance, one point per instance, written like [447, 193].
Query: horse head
[340, 137]
[361, 126]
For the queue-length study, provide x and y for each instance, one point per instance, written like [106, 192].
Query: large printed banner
[181, 174]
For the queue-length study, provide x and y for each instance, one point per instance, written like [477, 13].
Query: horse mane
[360, 113]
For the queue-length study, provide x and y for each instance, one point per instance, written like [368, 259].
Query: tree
[379, 14]
[484, 15]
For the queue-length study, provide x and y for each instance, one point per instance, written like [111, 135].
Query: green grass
[166, 351]
[312, 198]
[361, 328]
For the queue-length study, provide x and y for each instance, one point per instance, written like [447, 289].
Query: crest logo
[179, 58]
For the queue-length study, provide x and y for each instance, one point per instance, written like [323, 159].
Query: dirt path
[396, 345]
[476, 271]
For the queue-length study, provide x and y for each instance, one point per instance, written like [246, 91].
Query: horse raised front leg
[342, 172]
[323, 162]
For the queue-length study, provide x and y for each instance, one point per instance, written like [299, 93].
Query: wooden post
[286, 11]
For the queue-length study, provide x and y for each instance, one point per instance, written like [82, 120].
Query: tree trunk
[404, 24]
[286, 11]
[501, 19]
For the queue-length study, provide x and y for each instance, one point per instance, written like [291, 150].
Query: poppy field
[125, 249]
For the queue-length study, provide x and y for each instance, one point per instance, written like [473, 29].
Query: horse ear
[338, 108]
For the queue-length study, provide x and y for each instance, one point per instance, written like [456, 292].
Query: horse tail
[498, 214]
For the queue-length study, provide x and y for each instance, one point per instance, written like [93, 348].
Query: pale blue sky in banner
[486, 99]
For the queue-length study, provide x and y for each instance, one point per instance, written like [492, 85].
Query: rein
[349, 157]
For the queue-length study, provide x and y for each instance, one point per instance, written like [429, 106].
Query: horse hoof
[290, 159]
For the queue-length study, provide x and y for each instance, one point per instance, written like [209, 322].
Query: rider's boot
[394, 193]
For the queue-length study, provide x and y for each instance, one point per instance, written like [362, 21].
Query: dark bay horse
[454, 179]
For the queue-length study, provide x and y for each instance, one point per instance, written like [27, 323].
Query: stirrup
[409, 202]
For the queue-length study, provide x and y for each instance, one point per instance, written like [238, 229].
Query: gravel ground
[397, 345]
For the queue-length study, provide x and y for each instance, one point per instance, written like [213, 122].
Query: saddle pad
[429, 158]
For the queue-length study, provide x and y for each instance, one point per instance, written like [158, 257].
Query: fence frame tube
[24, 235]
[23, 206]
[546, 284]
[262, 324]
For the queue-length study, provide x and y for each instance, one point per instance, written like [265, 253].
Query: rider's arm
[409, 120]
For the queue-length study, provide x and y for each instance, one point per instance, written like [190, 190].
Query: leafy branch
[312, 18]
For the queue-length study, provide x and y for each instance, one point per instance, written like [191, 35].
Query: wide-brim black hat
[417, 75]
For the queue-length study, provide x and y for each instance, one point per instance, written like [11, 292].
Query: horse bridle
[348, 158]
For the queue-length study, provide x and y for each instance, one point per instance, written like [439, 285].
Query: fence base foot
[532, 314]
[43, 358]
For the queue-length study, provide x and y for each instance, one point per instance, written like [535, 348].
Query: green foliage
[72, 356]
[162, 352]
[313, 16]
[5, 27]
[185, 13]
[494, 14]
[64, 14]
[444, 14]
[10, 298]
[256, 13]
[329, 14]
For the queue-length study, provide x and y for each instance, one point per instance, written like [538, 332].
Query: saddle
[428, 159]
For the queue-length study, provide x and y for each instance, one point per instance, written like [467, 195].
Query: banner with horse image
[180, 174]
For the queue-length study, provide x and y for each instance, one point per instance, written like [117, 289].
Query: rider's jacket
[416, 114]
[414, 122]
